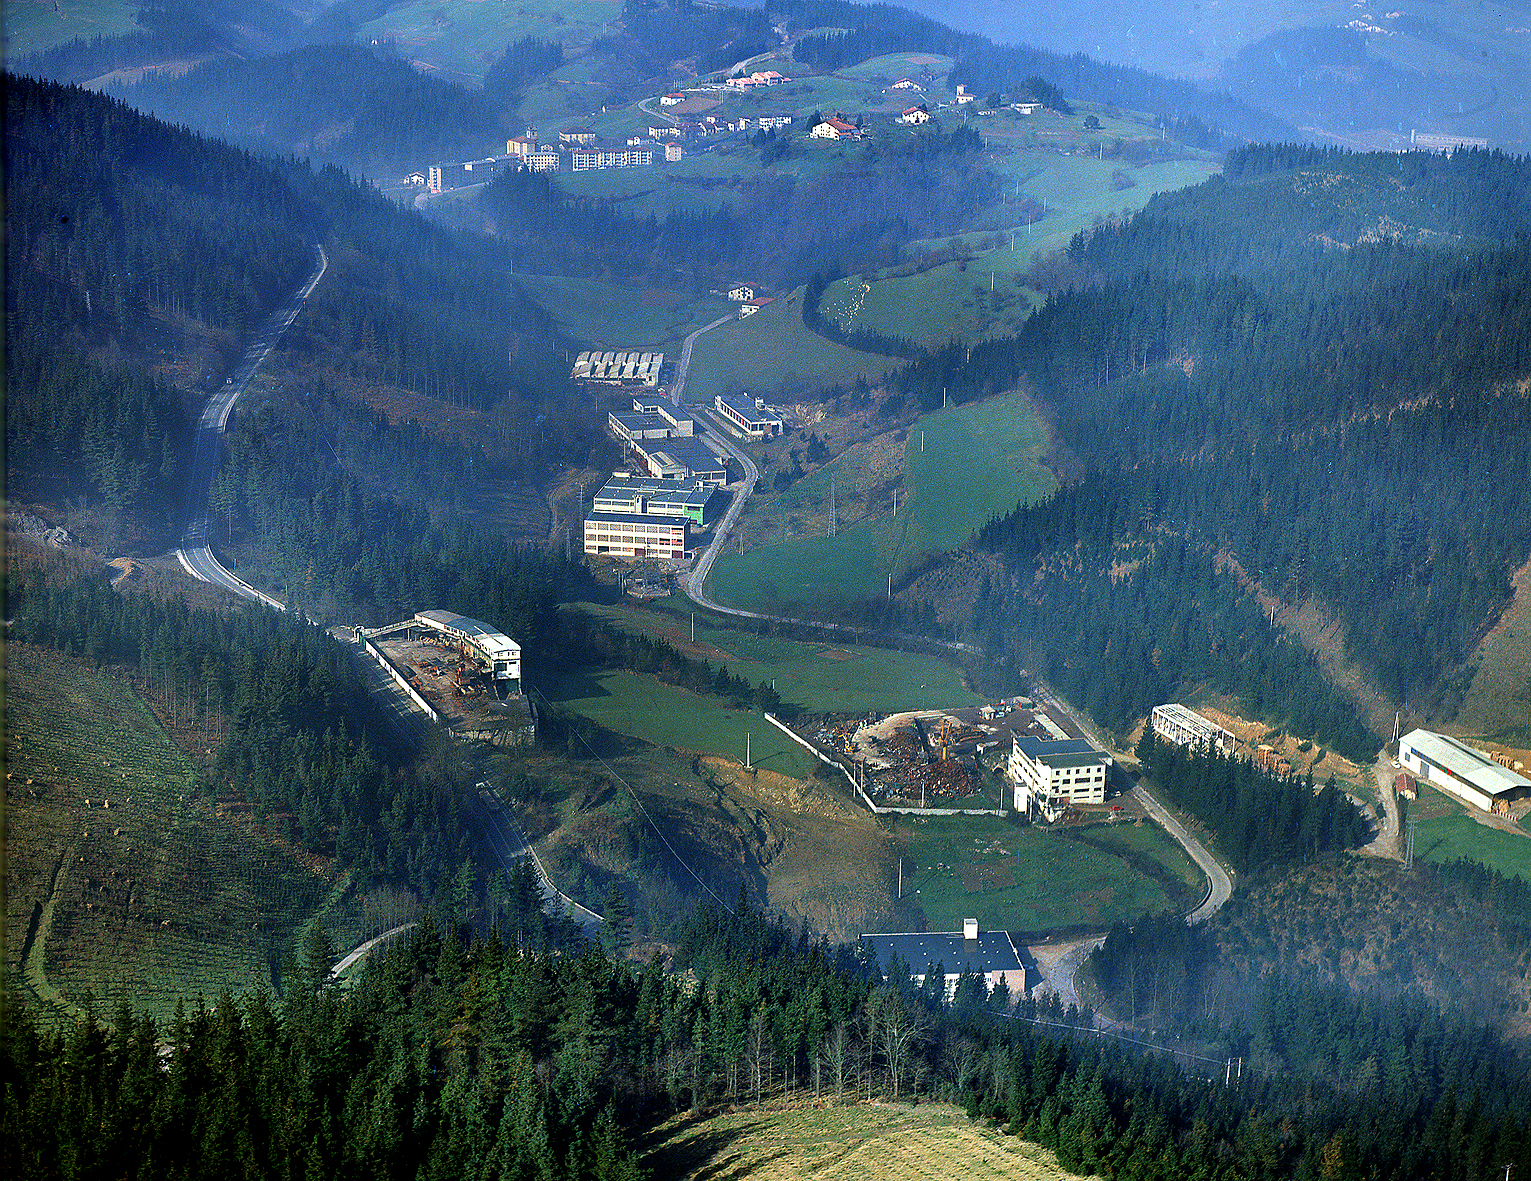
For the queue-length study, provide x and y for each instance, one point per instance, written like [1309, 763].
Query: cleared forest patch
[933, 1140]
[129, 886]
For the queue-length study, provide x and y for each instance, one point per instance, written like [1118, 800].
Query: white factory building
[989, 954]
[1183, 727]
[1459, 770]
[631, 535]
[1051, 775]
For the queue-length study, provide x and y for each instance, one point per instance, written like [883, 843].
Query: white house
[750, 306]
[741, 293]
[835, 128]
[907, 84]
[671, 100]
[914, 115]
[989, 954]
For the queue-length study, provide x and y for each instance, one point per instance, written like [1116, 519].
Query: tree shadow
[695, 1150]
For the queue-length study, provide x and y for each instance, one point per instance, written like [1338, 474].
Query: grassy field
[955, 299]
[34, 25]
[772, 354]
[788, 1143]
[121, 883]
[460, 39]
[976, 460]
[605, 315]
[648, 709]
[1032, 880]
[816, 677]
[1446, 838]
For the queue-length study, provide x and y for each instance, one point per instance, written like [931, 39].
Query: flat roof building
[664, 498]
[750, 415]
[1051, 775]
[628, 535]
[1459, 770]
[1184, 727]
[989, 954]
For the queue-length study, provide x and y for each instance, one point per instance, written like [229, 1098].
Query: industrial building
[1052, 775]
[682, 458]
[1183, 727]
[630, 535]
[750, 415]
[619, 368]
[989, 954]
[693, 500]
[1459, 770]
[650, 418]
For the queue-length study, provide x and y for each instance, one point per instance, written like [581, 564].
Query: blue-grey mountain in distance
[1365, 74]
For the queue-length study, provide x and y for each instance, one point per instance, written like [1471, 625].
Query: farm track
[34, 953]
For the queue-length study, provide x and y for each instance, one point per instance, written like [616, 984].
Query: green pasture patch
[977, 460]
[32, 26]
[928, 69]
[462, 38]
[772, 354]
[817, 677]
[646, 708]
[1030, 879]
[1447, 838]
[125, 885]
[953, 299]
[612, 316]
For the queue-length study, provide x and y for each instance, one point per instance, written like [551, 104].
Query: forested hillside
[469, 1057]
[369, 112]
[139, 256]
[1302, 380]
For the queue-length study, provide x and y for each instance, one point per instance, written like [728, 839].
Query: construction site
[465, 675]
[940, 758]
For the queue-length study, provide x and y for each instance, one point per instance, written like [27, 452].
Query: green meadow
[1447, 838]
[817, 677]
[645, 708]
[772, 354]
[1025, 879]
[605, 315]
[962, 465]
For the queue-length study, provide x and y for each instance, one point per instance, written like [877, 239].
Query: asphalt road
[509, 845]
[195, 551]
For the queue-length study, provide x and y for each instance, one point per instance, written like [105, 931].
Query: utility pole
[831, 505]
[1408, 849]
[693, 627]
[746, 750]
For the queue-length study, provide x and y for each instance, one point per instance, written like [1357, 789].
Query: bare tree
[901, 1027]
[836, 1052]
[757, 1046]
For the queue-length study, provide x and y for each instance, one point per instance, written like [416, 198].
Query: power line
[610, 771]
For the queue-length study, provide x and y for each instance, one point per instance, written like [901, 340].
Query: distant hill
[368, 111]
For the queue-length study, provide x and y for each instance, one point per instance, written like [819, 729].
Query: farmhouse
[751, 306]
[1051, 775]
[989, 954]
[671, 100]
[1458, 769]
[741, 292]
[914, 115]
[750, 415]
[1026, 108]
[1184, 727]
[906, 84]
[835, 128]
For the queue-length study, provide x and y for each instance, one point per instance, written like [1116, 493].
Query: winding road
[195, 551]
